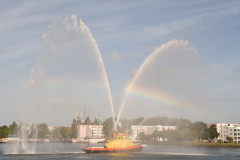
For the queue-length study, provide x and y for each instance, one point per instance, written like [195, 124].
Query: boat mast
[98, 125]
[84, 115]
[88, 123]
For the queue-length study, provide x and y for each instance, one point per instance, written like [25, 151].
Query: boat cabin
[119, 141]
[120, 137]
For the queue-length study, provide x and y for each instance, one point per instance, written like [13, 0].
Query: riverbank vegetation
[202, 144]
[186, 130]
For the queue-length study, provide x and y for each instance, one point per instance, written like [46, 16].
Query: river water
[69, 151]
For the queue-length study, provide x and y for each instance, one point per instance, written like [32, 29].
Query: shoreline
[211, 145]
[186, 144]
[199, 144]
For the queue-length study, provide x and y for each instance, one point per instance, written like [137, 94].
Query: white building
[231, 130]
[227, 129]
[50, 129]
[161, 128]
[91, 131]
[218, 126]
[136, 130]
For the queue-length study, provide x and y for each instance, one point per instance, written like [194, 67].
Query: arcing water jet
[174, 46]
[70, 62]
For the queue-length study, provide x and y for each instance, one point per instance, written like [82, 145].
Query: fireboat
[119, 143]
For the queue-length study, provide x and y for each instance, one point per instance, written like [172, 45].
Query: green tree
[56, 132]
[206, 134]
[108, 127]
[210, 133]
[142, 136]
[199, 127]
[182, 124]
[95, 121]
[229, 139]
[129, 132]
[66, 132]
[87, 121]
[74, 128]
[213, 132]
[42, 130]
[155, 134]
[220, 141]
[148, 137]
[13, 129]
[4, 130]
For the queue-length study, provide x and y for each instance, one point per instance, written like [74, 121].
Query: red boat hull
[137, 148]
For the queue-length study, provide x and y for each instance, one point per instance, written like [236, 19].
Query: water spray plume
[94, 44]
[69, 71]
[73, 39]
[148, 117]
[150, 60]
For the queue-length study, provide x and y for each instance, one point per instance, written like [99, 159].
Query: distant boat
[12, 140]
[96, 140]
[144, 145]
[33, 140]
[78, 140]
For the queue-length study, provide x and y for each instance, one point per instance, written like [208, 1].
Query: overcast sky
[195, 75]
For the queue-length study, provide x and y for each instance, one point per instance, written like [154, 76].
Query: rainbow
[150, 95]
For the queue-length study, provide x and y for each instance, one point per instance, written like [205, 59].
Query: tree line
[186, 130]
[197, 131]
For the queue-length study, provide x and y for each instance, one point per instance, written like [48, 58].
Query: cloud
[133, 72]
[114, 56]
[149, 32]
[236, 77]
[168, 71]
[236, 69]
[188, 22]
[227, 98]
[136, 55]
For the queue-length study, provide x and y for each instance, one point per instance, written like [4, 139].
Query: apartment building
[136, 130]
[90, 131]
[231, 130]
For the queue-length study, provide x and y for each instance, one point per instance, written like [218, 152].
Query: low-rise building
[227, 129]
[231, 130]
[136, 130]
[161, 128]
[90, 131]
